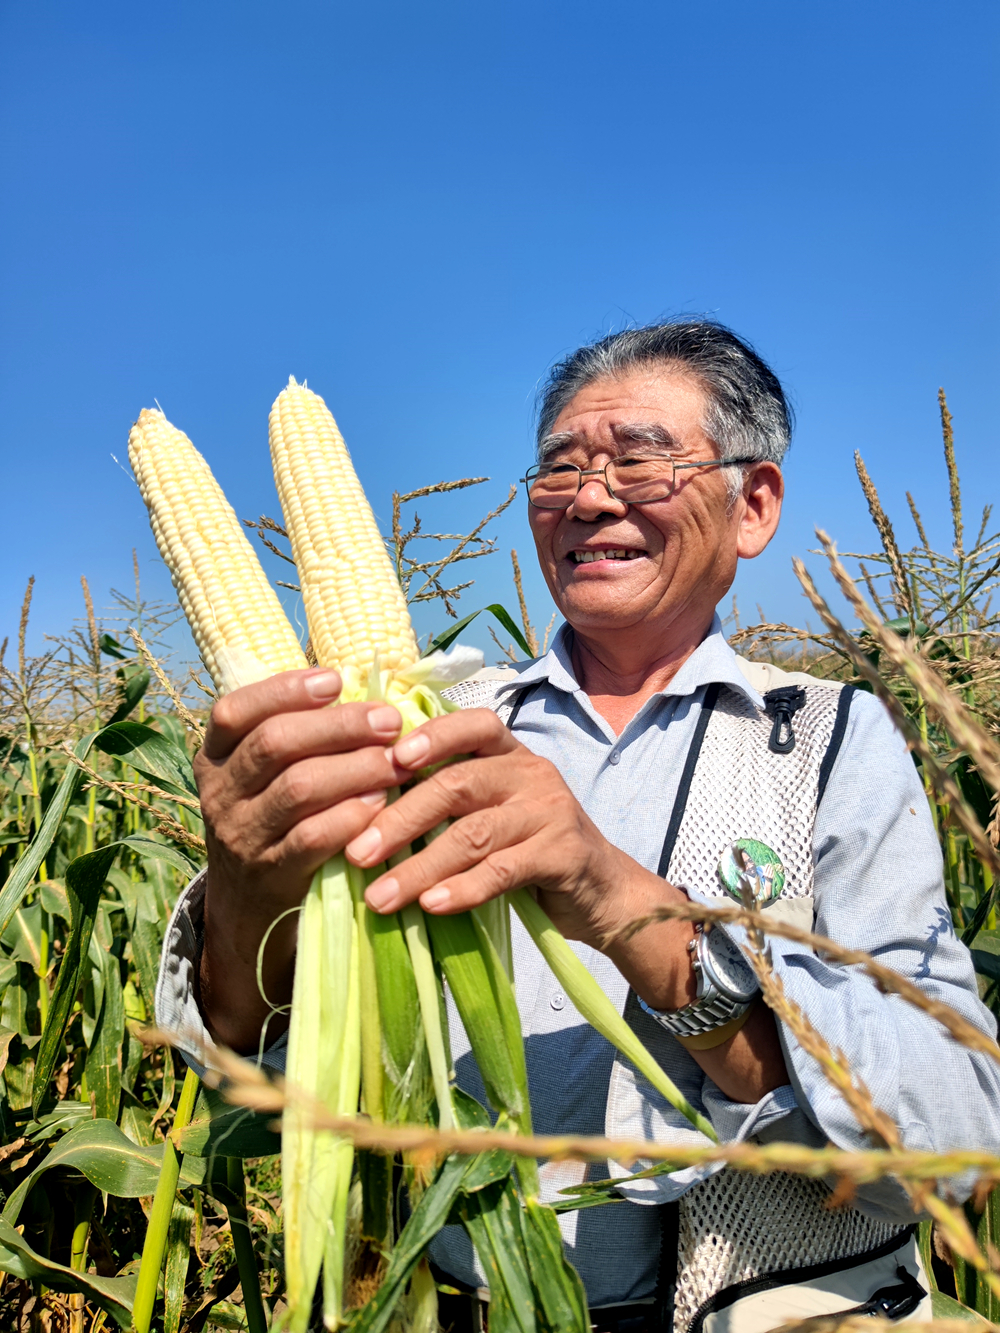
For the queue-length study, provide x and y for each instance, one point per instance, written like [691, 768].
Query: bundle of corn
[367, 1018]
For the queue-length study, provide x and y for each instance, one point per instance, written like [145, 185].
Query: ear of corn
[241, 631]
[353, 602]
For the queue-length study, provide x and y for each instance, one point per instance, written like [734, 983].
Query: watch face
[727, 967]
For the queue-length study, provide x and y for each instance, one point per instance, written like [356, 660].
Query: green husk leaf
[426, 1220]
[558, 1288]
[323, 1054]
[457, 949]
[594, 1006]
[491, 1217]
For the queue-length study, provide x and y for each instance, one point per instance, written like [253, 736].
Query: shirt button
[558, 1001]
[613, 757]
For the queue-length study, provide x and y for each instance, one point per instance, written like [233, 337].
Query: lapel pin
[752, 865]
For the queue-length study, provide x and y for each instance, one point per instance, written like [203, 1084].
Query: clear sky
[420, 207]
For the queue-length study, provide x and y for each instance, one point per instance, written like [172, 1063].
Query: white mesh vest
[734, 1227]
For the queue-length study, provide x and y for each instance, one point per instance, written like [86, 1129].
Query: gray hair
[748, 414]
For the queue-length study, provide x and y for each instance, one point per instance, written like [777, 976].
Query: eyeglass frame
[527, 479]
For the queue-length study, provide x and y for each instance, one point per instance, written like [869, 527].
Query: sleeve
[879, 887]
[177, 1010]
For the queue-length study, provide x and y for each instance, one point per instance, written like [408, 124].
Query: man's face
[680, 553]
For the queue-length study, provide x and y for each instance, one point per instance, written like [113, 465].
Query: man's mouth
[609, 553]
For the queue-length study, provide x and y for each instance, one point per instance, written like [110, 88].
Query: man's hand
[515, 823]
[285, 783]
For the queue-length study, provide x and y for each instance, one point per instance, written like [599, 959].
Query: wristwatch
[727, 986]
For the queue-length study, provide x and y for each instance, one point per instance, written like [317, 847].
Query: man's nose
[594, 499]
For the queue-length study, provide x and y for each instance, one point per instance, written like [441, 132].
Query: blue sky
[419, 208]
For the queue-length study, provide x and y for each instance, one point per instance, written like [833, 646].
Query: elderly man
[638, 763]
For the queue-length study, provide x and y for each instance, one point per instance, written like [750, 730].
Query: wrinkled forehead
[655, 409]
[616, 437]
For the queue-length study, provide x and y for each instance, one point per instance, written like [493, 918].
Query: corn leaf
[104, 1059]
[84, 881]
[161, 851]
[218, 1129]
[22, 876]
[149, 753]
[447, 637]
[133, 682]
[100, 1151]
[114, 1294]
[175, 1270]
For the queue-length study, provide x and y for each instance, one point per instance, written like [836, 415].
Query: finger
[284, 739]
[237, 713]
[312, 841]
[507, 868]
[473, 731]
[453, 791]
[465, 844]
[316, 784]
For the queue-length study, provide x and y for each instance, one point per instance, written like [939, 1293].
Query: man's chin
[593, 611]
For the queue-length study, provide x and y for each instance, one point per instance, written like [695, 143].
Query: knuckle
[294, 788]
[498, 870]
[312, 836]
[474, 833]
[267, 743]
[453, 781]
[224, 713]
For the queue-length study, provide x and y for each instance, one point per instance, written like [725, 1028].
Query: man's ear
[760, 509]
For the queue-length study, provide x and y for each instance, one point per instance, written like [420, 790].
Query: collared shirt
[878, 887]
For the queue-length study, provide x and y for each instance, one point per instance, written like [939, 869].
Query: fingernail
[373, 797]
[323, 684]
[381, 894]
[412, 749]
[365, 845]
[435, 898]
[385, 721]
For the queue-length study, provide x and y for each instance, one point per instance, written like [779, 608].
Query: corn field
[134, 1195]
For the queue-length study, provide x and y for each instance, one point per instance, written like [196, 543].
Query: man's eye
[559, 469]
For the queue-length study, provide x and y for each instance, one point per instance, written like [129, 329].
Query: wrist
[656, 960]
[240, 984]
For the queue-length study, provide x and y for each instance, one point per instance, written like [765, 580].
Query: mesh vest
[743, 779]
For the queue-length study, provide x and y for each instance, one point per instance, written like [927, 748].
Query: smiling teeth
[586, 557]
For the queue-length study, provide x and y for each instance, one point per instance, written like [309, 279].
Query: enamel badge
[752, 864]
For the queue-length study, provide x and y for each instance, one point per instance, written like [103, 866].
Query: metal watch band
[705, 1015]
[712, 1009]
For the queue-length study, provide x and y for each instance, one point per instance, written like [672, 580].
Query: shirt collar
[712, 661]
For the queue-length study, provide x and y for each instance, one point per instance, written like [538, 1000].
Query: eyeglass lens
[633, 480]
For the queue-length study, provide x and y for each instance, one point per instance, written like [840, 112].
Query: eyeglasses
[633, 481]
